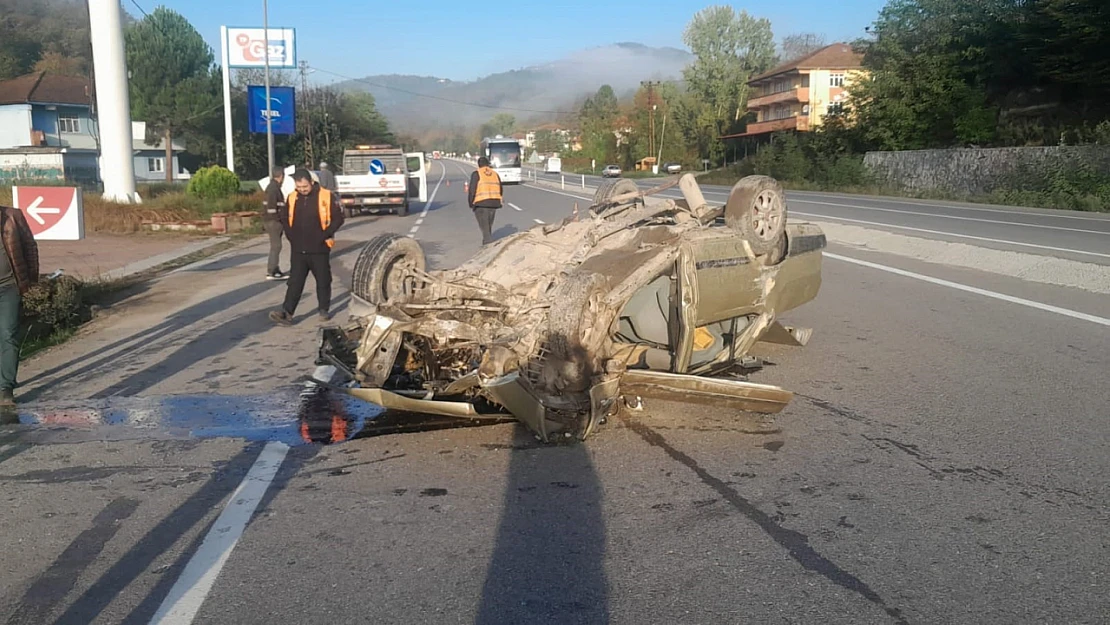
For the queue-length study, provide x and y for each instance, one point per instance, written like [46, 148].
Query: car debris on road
[556, 325]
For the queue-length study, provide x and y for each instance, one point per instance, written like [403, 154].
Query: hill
[534, 92]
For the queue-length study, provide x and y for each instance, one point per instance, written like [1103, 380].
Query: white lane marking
[577, 197]
[971, 289]
[988, 221]
[428, 204]
[539, 221]
[952, 234]
[515, 207]
[187, 596]
[954, 207]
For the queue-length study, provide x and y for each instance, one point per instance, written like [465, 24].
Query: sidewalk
[115, 255]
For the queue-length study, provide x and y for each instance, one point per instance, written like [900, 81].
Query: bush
[213, 183]
[53, 305]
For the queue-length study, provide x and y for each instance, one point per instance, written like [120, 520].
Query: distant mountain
[555, 86]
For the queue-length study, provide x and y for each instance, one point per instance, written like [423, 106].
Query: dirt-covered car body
[641, 298]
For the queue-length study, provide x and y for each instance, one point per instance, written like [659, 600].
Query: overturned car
[560, 325]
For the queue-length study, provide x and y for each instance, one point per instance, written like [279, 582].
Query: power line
[141, 10]
[440, 98]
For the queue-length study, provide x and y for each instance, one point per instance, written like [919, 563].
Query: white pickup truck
[380, 178]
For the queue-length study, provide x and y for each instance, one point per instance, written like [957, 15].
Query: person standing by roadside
[19, 271]
[313, 216]
[327, 179]
[272, 213]
[485, 197]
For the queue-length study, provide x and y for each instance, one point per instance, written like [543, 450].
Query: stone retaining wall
[975, 171]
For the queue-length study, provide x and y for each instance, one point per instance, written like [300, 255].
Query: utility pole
[650, 84]
[117, 165]
[309, 150]
[268, 110]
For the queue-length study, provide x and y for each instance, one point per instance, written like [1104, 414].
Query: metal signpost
[252, 48]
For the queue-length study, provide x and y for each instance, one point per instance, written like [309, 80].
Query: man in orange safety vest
[485, 197]
[311, 218]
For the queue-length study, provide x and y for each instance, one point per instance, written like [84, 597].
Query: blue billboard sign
[282, 109]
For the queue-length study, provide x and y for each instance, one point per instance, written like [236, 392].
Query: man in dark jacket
[327, 179]
[272, 212]
[312, 217]
[484, 197]
[19, 271]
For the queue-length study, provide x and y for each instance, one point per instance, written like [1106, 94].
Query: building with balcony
[799, 94]
[48, 131]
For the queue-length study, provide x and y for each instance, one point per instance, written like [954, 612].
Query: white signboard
[53, 213]
[246, 47]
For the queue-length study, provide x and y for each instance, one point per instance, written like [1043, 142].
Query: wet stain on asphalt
[773, 445]
[309, 416]
[433, 492]
[796, 543]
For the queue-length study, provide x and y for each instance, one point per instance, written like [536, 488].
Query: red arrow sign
[44, 207]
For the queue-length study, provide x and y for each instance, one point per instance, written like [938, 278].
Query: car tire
[381, 265]
[610, 189]
[403, 209]
[572, 326]
[756, 210]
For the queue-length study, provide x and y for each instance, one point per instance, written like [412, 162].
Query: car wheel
[403, 209]
[383, 269]
[577, 326]
[756, 209]
[610, 189]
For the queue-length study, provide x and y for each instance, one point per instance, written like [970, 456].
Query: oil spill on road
[313, 415]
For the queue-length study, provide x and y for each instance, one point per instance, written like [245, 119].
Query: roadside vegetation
[211, 190]
[938, 74]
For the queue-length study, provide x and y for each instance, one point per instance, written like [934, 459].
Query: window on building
[69, 125]
[836, 108]
[155, 165]
[836, 80]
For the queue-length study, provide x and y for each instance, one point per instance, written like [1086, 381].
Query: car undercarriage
[561, 325]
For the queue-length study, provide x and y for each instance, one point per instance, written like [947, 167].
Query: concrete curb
[161, 259]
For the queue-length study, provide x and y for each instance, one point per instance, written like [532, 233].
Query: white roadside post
[117, 165]
[225, 57]
[583, 181]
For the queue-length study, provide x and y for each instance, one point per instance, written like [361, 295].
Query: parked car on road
[611, 171]
[672, 168]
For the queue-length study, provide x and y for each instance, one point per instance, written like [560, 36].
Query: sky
[468, 40]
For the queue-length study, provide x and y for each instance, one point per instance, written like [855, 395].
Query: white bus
[504, 156]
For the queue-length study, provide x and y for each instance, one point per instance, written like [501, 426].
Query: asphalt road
[1075, 235]
[943, 462]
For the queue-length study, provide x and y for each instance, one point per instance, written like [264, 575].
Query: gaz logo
[254, 49]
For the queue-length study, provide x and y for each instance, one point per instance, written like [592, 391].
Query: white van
[554, 165]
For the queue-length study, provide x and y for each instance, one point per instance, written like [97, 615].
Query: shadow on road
[228, 263]
[548, 564]
[504, 231]
[90, 364]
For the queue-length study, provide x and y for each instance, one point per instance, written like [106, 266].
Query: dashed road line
[971, 289]
[539, 221]
[428, 204]
[515, 207]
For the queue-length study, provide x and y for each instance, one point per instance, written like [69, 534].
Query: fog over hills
[535, 91]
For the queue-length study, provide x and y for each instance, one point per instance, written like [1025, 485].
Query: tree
[499, 124]
[798, 45]
[57, 63]
[729, 48]
[173, 82]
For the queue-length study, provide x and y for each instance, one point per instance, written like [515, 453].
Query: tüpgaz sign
[247, 47]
